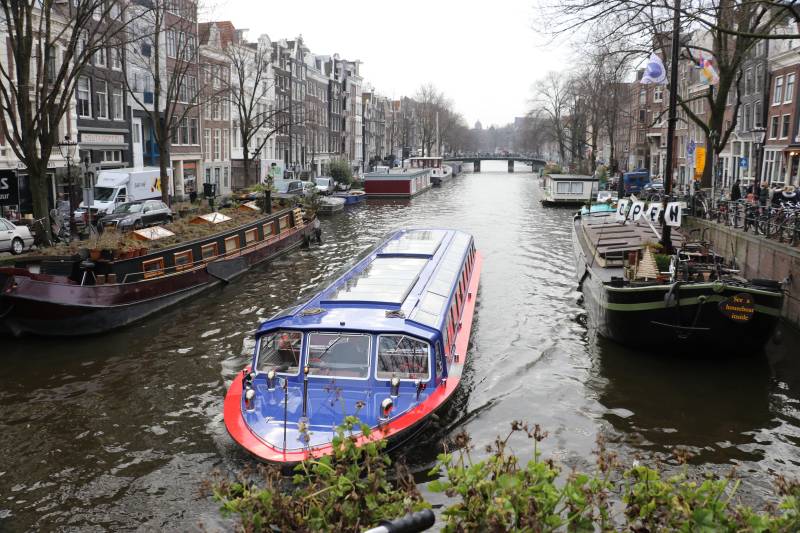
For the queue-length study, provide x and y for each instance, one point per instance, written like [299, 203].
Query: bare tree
[429, 104]
[552, 101]
[162, 74]
[47, 45]
[257, 115]
[724, 29]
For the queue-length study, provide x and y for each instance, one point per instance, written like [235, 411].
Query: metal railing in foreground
[780, 223]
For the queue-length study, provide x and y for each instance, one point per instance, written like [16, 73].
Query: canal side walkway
[757, 257]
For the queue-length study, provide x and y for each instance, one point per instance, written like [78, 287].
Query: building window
[217, 144]
[250, 235]
[207, 143]
[642, 96]
[748, 81]
[778, 93]
[209, 251]
[117, 104]
[153, 268]
[84, 103]
[785, 127]
[789, 93]
[116, 59]
[231, 244]
[773, 127]
[193, 133]
[226, 183]
[759, 77]
[111, 156]
[225, 137]
[757, 112]
[183, 131]
[171, 45]
[102, 98]
[216, 176]
[748, 118]
[183, 260]
[100, 57]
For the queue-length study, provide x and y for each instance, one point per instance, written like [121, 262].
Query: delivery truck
[120, 185]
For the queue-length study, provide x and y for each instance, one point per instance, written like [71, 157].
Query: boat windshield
[338, 355]
[103, 194]
[279, 350]
[127, 208]
[403, 357]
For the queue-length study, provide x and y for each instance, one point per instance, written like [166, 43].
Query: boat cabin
[397, 182]
[380, 343]
[568, 189]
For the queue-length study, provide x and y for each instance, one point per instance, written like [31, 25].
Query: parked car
[325, 185]
[13, 238]
[136, 215]
[288, 188]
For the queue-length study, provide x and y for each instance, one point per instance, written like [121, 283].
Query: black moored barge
[700, 303]
[75, 295]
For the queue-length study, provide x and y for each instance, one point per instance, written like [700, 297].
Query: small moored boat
[351, 197]
[330, 204]
[386, 342]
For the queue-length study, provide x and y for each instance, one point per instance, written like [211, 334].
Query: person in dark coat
[763, 195]
[736, 191]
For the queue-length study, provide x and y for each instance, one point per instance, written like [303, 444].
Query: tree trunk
[41, 207]
[165, 179]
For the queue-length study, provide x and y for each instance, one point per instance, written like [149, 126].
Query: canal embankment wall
[758, 257]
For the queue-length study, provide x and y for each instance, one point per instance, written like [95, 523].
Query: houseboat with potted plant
[692, 299]
[98, 290]
[386, 341]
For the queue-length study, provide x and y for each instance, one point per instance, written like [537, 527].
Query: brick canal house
[216, 80]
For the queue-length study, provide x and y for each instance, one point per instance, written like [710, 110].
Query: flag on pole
[654, 71]
[704, 62]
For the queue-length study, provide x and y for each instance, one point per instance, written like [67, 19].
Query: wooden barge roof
[609, 239]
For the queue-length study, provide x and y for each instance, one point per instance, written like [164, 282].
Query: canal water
[119, 431]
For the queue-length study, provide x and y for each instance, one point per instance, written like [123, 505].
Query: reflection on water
[118, 431]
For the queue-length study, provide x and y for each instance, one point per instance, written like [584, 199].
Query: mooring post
[511, 165]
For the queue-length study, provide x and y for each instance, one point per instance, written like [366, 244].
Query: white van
[117, 186]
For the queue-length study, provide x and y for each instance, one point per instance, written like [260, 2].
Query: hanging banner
[622, 209]
[672, 216]
[699, 162]
[637, 210]
[653, 210]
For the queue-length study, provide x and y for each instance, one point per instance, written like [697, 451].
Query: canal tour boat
[78, 295]
[696, 302]
[387, 342]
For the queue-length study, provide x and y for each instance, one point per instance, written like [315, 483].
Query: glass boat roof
[415, 242]
[385, 280]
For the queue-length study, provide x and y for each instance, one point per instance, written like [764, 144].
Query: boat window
[283, 223]
[403, 357]
[338, 355]
[279, 350]
[209, 251]
[183, 260]
[251, 235]
[562, 187]
[153, 267]
[231, 243]
[269, 229]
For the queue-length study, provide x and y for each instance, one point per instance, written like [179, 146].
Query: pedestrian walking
[736, 191]
[763, 195]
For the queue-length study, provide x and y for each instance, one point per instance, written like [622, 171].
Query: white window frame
[777, 93]
[117, 97]
[102, 98]
[88, 98]
[788, 93]
[788, 129]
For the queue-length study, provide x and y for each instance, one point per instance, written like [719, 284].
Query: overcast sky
[483, 54]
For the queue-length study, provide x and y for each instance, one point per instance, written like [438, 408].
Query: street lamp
[68, 148]
[759, 134]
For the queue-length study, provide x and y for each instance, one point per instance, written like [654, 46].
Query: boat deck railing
[131, 277]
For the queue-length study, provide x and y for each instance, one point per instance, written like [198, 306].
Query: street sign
[743, 162]
[690, 147]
